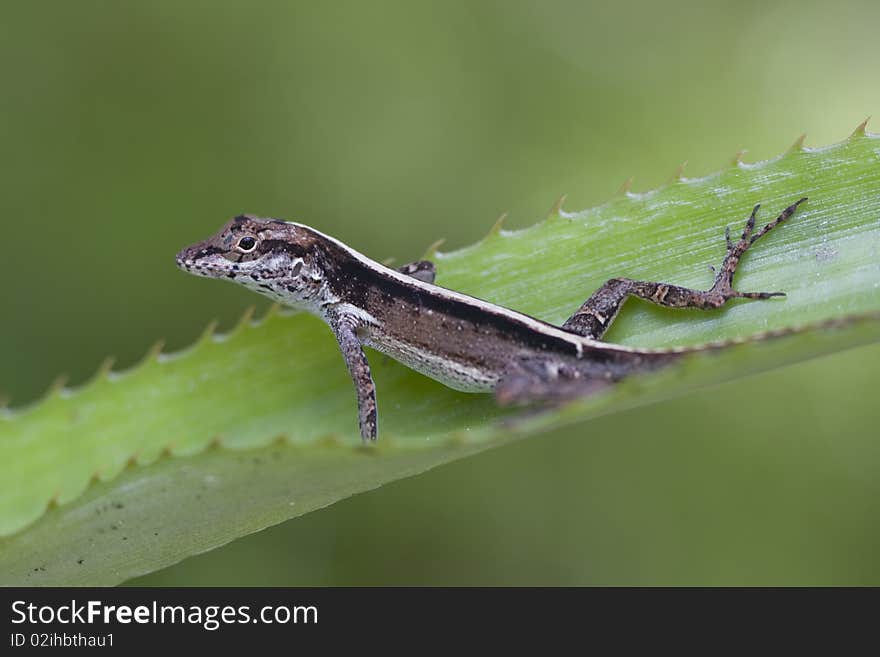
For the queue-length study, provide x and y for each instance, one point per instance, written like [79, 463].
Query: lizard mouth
[200, 268]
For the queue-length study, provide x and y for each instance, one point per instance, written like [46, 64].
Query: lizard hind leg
[597, 313]
[545, 382]
[724, 279]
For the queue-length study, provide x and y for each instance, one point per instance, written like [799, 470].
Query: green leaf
[185, 452]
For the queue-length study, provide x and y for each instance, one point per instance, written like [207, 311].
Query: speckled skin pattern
[464, 342]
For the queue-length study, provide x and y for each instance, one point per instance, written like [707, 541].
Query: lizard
[464, 342]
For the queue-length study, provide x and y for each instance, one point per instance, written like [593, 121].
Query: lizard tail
[822, 325]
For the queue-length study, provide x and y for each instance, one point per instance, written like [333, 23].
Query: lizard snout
[183, 260]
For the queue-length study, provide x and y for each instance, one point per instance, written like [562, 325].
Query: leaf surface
[188, 451]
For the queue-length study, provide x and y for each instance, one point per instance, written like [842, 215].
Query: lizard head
[272, 257]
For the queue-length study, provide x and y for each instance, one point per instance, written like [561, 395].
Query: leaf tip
[861, 129]
[246, 318]
[433, 249]
[678, 174]
[495, 230]
[154, 353]
[57, 387]
[208, 331]
[272, 310]
[105, 368]
[556, 210]
[798, 145]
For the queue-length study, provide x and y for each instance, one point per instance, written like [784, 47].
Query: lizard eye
[247, 244]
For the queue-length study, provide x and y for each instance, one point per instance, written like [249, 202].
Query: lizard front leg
[345, 329]
[550, 381]
[421, 270]
[594, 317]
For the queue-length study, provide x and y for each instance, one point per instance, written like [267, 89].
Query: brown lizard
[464, 342]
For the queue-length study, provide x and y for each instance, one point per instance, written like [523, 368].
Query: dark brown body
[480, 341]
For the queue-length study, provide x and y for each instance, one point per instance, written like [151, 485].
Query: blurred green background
[129, 129]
